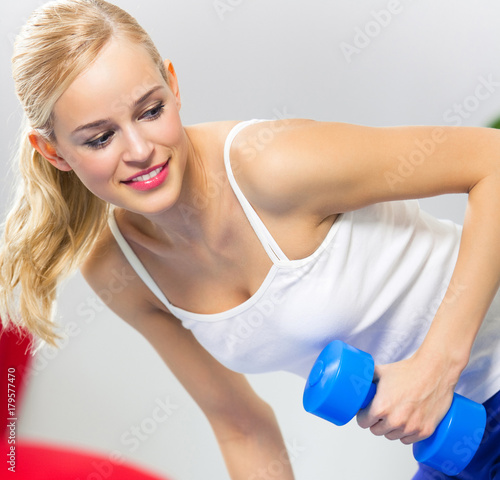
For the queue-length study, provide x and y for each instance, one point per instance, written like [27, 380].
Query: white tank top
[375, 282]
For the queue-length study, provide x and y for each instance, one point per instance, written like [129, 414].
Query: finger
[382, 428]
[414, 437]
[409, 439]
[365, 419]
[399, 434]
[390, 431]
[396, 434]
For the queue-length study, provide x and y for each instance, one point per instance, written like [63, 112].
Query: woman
[294, 231]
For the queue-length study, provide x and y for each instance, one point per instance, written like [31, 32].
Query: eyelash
[97, 145]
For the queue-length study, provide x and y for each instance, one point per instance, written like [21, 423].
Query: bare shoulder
[330, 167]
[261, 138]
[275, 161]
[212, 134]
[109, 274]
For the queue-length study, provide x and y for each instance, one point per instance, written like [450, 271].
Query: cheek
[171, 128]
[94, 169]
[98, 176]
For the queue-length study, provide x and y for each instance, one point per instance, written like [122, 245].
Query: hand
[412, 397]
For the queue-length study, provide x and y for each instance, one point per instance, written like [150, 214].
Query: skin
[213, 261]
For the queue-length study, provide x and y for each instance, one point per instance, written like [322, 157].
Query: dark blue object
[341, 383]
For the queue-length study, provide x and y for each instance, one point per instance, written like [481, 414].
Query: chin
[161, 203]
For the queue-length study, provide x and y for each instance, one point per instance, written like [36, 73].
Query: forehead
[121, 74]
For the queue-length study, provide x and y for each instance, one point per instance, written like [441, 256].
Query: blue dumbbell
[341, 383]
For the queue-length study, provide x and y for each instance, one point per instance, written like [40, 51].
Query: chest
[212, 280]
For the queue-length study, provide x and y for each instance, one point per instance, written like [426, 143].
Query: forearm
[258, 453]
[475, 279]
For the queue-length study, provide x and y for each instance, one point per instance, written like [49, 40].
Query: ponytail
[54, 220]
[52, 225]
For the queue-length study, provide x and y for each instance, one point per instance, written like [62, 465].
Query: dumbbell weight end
[341, 383]
[456, 439]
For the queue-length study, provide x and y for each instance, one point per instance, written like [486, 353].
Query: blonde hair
[55, 220]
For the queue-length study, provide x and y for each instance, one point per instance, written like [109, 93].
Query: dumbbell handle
[369, 396]
[341, 383]
[434, 442]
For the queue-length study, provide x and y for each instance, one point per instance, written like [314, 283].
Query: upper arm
[337, 167]
[224, 396]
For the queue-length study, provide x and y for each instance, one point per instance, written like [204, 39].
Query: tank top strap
[270, 245]
[136, 264]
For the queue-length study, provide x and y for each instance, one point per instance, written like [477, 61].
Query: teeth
[148, 176]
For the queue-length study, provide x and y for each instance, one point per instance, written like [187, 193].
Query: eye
[101, 142]
[154, 113]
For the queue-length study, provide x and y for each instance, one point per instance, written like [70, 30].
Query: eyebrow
[100, 123]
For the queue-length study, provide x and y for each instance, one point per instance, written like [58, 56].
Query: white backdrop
[377, 62]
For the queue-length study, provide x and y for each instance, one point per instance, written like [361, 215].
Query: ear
[48, 151]
[173, 81]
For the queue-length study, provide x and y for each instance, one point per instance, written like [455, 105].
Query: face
[118, 127]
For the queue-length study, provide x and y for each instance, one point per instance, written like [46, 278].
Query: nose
[137, 148]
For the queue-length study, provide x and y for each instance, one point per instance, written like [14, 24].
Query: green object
[495, 124]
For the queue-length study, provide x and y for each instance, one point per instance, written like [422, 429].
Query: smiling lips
[150, 179]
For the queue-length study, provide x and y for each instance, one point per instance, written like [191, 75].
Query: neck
[196, 217]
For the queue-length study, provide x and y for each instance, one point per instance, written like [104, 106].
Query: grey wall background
[240, 59]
